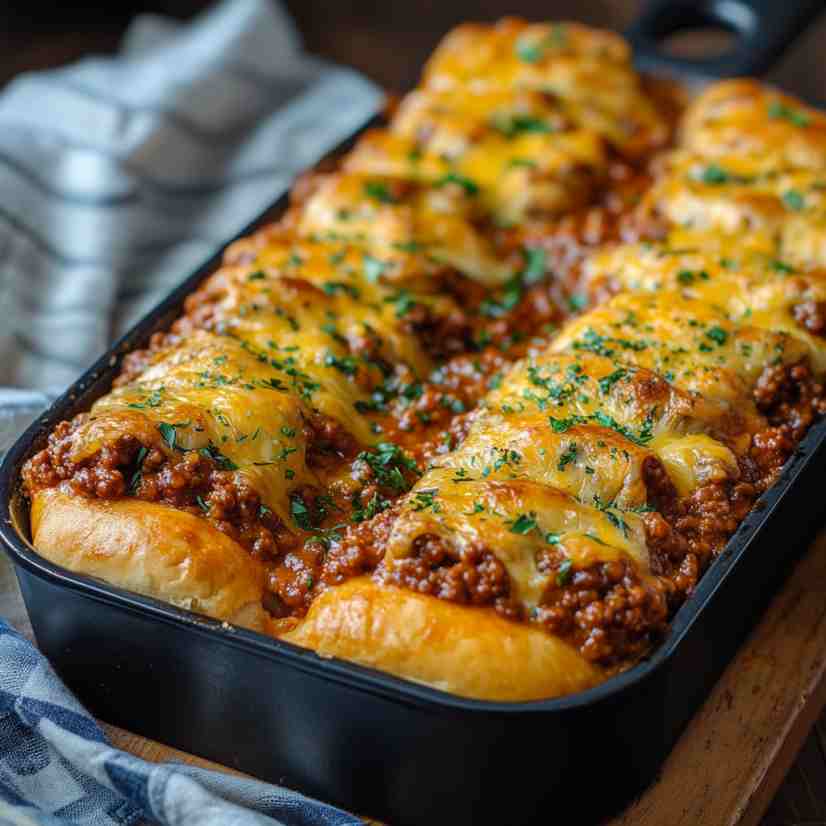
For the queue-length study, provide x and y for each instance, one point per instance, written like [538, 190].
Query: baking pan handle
[762, 30]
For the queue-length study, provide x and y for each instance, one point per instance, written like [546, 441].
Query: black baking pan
[386, 747]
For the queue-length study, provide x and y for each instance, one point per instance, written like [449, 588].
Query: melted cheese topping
[411, 234]
[521, 176]
[692, 344]
[751, 285]
[751, 161]
[755, 128]
[588, 72]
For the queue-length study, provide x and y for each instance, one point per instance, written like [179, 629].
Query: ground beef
[812, 315]
[359, 551]
[471, 576]
[188, 480]
[328, 442]
[790, 399]
[607, 610]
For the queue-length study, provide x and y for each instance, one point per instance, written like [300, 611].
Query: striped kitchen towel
[119, 177]
[56, 768]
[121, 174]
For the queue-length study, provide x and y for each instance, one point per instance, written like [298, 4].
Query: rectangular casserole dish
[380, 745]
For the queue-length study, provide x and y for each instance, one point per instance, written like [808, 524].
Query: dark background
[386, 40]
[389, 41]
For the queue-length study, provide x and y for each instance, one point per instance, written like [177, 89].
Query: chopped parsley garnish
[375, 505]
[402, 301]
[379, 192]
[169, 434]
[600, 345]
[793, 200]
[301, 513]
[717, 334]
[374, 268]
[152, 400]
[561, 425]
[567, 457]
[532, 51]
[346, 364]
[564, 573]
[273, 384]
[714, 174]
[408, 246]
[258, 275]
[645, 435]
[426, 500]
[387, 464]
[779, 111]
[610, 511]
[534, 265]
[532, 272]
[690, 276]
[333, 287]
[135, 481]
[212, 452]
[469, 186]
[519, 124]
[782, 266]
[607, 382]
[523, 524]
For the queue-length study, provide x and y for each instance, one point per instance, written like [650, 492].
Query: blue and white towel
[119, 176]
[56, 767]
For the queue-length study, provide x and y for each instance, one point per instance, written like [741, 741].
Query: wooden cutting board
[730, 761]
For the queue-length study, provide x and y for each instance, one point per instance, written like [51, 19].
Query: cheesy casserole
[484, 404]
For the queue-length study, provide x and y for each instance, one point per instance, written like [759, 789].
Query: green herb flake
[345, 364]
[169, 434]
[426, 500]
[564, 573]
[532, 51]
[717, 335]
[779, 111]
[714, 174]
[301, 513]
[521, 124]
[469, 186]
[373, 268]
[567, 457]
[793, 200]
[378, 191]
[782, 266]
[523, 524]
[535, 265]
[333, 287]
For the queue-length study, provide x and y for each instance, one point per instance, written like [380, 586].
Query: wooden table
[729, 763]
[745, 738]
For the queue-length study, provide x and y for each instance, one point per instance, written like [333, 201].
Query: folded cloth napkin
[119, 177]
[56, 767]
